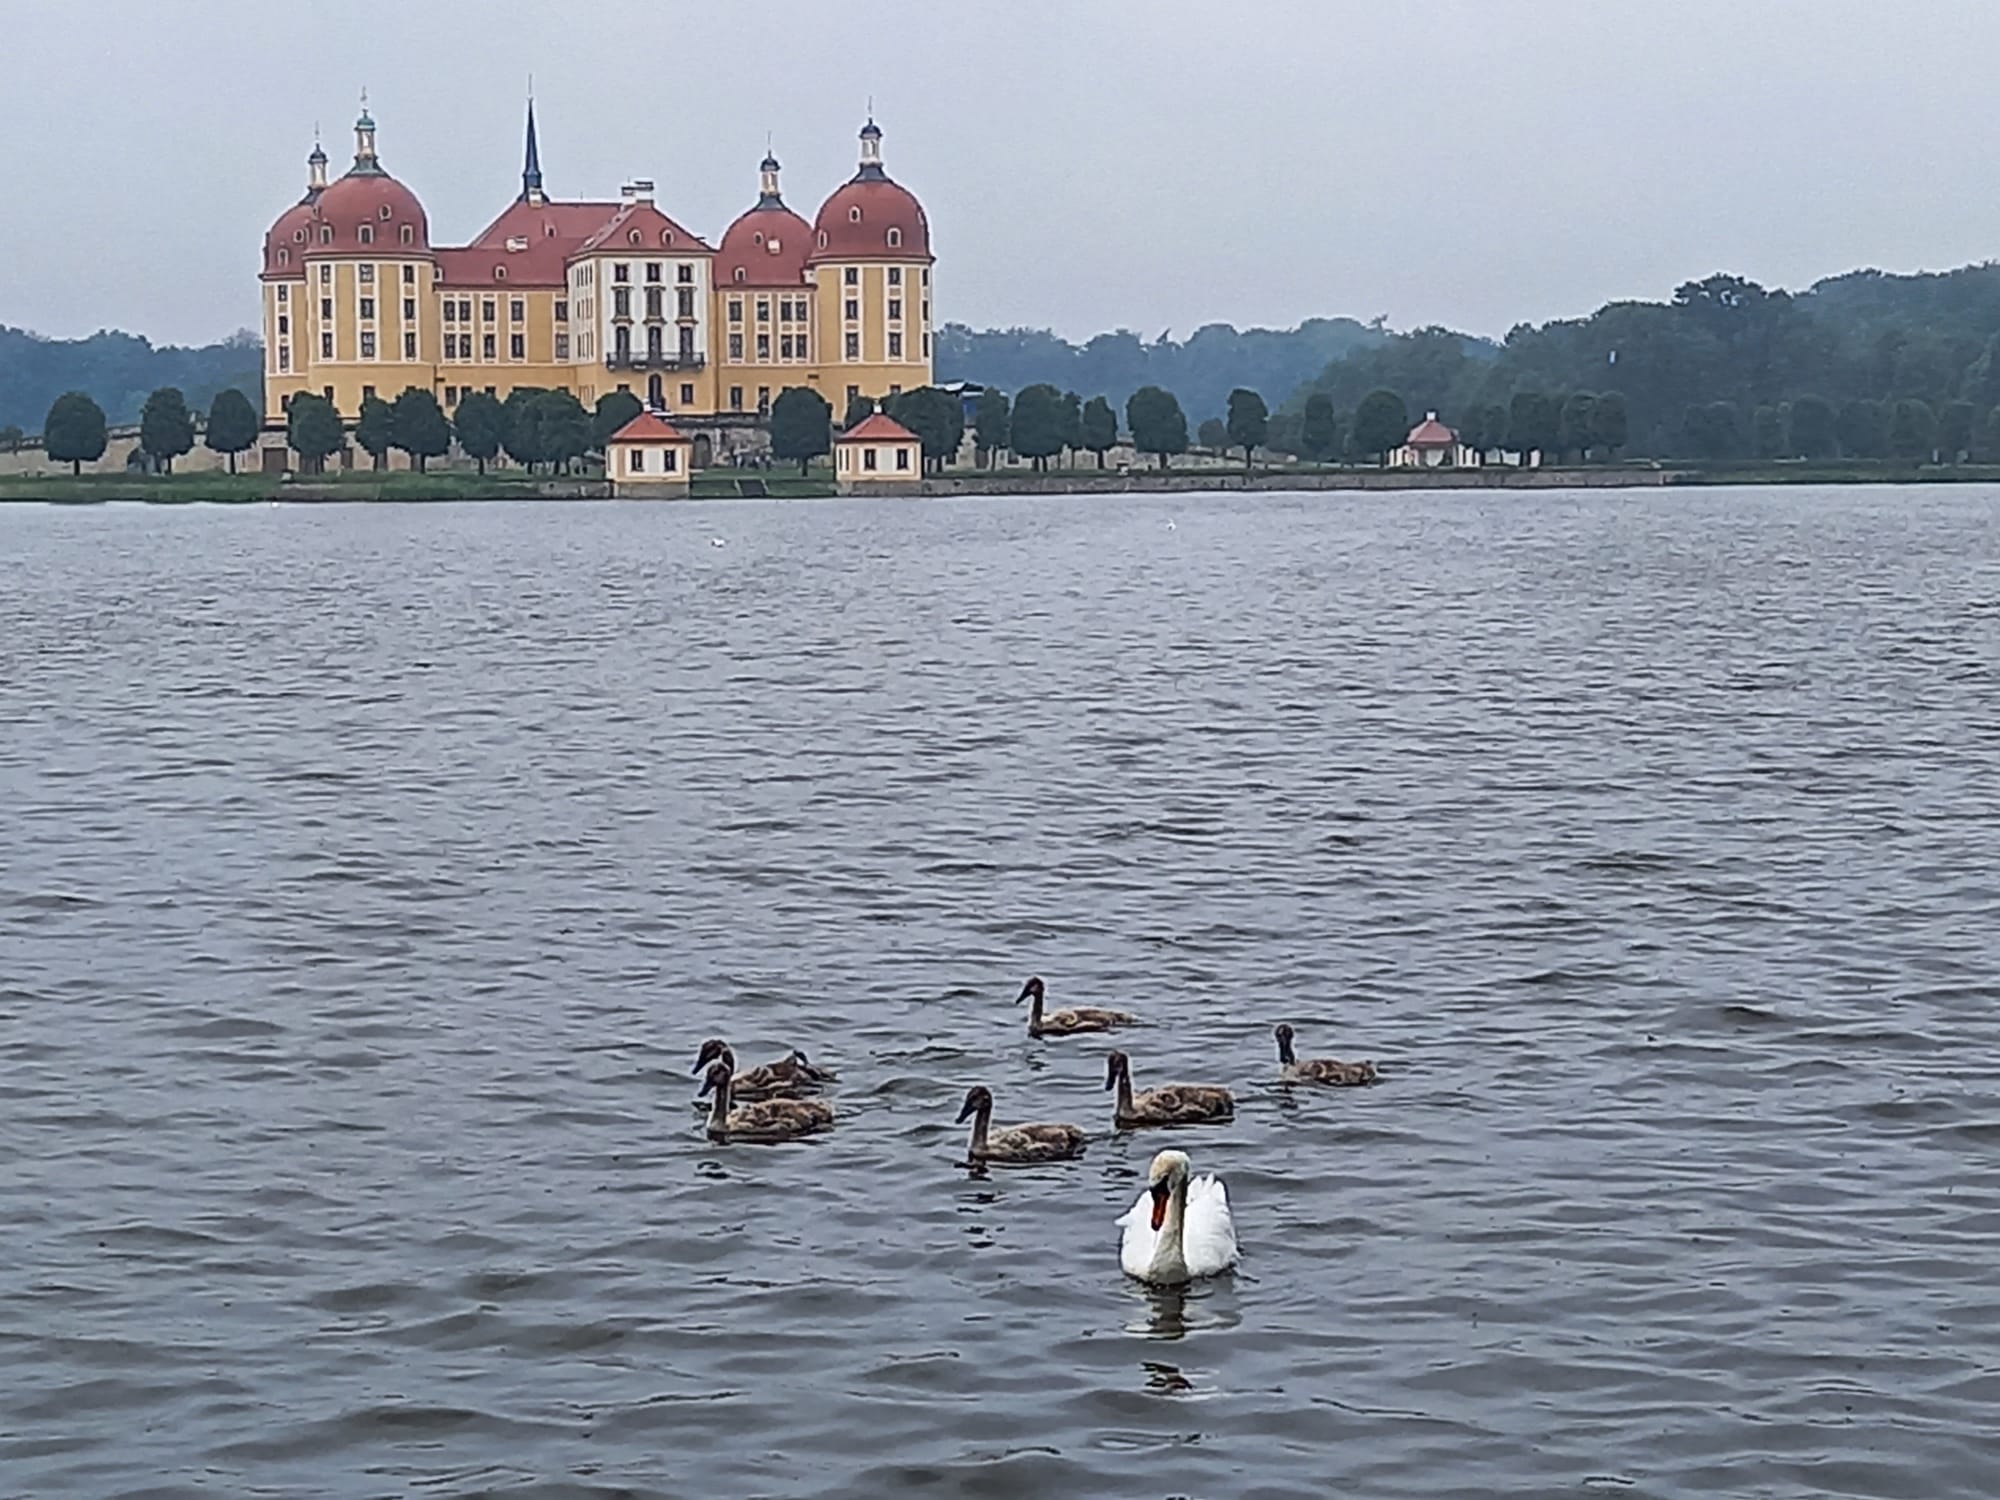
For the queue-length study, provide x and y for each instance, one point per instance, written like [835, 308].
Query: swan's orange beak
[1161, 1193]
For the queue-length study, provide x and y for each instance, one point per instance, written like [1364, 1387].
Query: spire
[531, 166]
[316, 168]
[871, 148]
[365, 161]
[767, 182]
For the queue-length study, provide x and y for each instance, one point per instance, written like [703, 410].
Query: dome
[768, 245]
[871, 217]
[293, 235]
[374, 202]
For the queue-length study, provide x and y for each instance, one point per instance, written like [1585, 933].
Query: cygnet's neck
[981, 1118]
[718, 1111]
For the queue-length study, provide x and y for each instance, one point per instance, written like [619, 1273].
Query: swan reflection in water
[1168, 1313]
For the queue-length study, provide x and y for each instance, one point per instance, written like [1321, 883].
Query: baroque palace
[594, 297]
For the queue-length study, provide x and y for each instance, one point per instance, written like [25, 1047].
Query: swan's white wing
[1135, 1253]
[1208, 1240]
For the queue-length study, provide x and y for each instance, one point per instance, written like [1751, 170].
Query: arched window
[739, 273]
[284, 257]
[633, 236]
[666, 236]
[367, 234]
[757, 238]
[822, 239]
[854, 214]
[410, 235]
[326, 234]
[499, 273]
[895, 238]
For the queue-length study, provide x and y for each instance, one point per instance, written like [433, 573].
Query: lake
[369, 876]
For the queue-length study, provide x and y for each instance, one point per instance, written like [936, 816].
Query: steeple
[767, 190]
[871, 151]
[316, 169]
[531, 166]
[365, 162]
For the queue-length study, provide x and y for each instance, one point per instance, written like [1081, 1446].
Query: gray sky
[1086, 164]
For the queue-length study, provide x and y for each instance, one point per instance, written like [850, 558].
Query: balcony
[645, 359]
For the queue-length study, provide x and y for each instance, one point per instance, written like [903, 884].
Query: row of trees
[535, 428]
[75, 431]
[1813, 427]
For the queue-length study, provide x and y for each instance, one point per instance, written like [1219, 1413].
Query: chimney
[629, 193]
[642, 189]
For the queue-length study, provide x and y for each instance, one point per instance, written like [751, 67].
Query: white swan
[1180, 1228]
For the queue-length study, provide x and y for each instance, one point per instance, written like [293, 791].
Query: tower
[531, 165]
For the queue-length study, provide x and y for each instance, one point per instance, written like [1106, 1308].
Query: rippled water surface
[368, 877]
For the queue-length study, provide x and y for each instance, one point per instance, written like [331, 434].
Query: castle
[593, 297]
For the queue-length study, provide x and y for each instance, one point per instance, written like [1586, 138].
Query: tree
[1381, 423]
[1863, 429]
[936, 417]
[1072, 425]
[562, 428]
[73, 433]
[166, 427]
[990, 422]
[11, 438]
[859, 410]
[373, 429]
[1038, 424]
[520, 431]
[1471, 427]
[1097, 428]
[801, 425]
[1809, 430]
[417, 425]
[1576, 425]
[312, 428]
[1531, 424]
[1713, 430]
[1912, 430]
[480, 421]
[232, 425]
[1212, 435]
[1249, 422]
[1319, 428]
[1767, 432]
[1986, 441]
[1156, 421]
[1954, 434]
[614, 410]
[1608, 423]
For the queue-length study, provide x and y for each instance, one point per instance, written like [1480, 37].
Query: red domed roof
[871, 218]
[292, 234]
[767, 245]
[372, 199]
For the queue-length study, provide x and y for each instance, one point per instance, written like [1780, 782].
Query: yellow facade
[358, 308]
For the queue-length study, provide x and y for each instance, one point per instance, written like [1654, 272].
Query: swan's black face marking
[718, 1078]
[1284, 1034]
[976, 1099]
[1032, 989]
[1161, 1192]
[711, 1049]
[1113, 1066]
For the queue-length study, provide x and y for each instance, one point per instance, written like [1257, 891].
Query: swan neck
[980, 1120]
[718, 1109]
[1125, 1091]
[1169, 1254]
[1285, 1054]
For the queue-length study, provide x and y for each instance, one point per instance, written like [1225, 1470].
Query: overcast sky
[1087, 164]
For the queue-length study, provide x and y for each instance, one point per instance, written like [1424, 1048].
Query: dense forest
[117, 370]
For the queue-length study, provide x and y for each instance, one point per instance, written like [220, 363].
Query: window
[895, 238]
[621, 303]
[853, 308]
[763, 346]
[822, 239]
[284, 259]
[326, 275]
[517, 346]
[451, 395]
[325, 238]
[867, 458]
[450, 311]
[409, 309]
[739, 273]
[685, 298]
[852, 276]
[652, 302]
[409, 235]
[409, 346]
[684, 274]
[669, 460]
[927, 346]
[562, 312]
[895, 307]
[652, 270]
[853, 391]
[327, 391]
[636, 459]
[802, 347]
[282, 291]
[895, 346]
[927, 309]
[367, 346]
[736, 346]
[451, 346]
[736, 309]
[284, 324]
[621, 273]
[763, 400]
[785, 346]
[487, 346]
[326, 346]
[562, 346]
[763, 309]
[925, 274]
[687, 395]
[367, 274]
[465, 309]
[736, 398]
[517, 310]
[409, 275]
[903, 459]
[284, 357]
[368, 393]
[367, 307]
[895, 272]
[499, 273]
[854, 214]
[854, 346]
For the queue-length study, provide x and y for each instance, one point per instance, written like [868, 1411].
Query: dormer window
[739, 273]
[410, 235]
[895, 238]
[666, 236]
[326, 234]
[499, 273]
[757, 238]
[284, 259]
[854, 214]
[298, 236]
[822, 239]
[385, 210]
[367, 233]
[634, 236]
